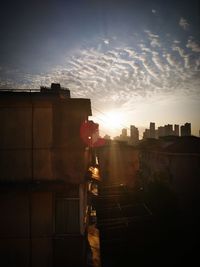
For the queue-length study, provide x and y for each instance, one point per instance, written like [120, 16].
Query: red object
[89, 132]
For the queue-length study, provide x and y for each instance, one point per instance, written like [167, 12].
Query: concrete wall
[27, 232]
[15, 143]
[118, 164]
[26, 229]
[179, 171]
[41, 141]
[185, 172]
[70, 251]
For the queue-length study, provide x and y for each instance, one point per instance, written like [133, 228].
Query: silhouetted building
[56, 89]
[146, 134]
[124, 132]
[161, 131]
[168, 129]
[176, 129]
[134, 134]
[174, 162]
[107, 137]
[186, 129]
[124, 135]
[152, 133]
[118, 163]
[43, 162]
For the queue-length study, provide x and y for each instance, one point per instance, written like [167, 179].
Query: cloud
[158, 61]
[106, 41]
[180, 50]
[195, 47]
[184, 24]
[176, 41]
[153, 38]
[115, 74]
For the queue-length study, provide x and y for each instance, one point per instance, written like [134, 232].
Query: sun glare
[113, 120]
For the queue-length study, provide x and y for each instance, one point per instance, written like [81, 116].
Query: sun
[110, 122]
[114, 120]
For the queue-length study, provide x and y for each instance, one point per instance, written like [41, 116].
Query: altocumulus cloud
[119, 73]
[184, 24]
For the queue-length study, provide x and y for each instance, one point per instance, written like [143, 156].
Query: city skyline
[138, 61]
[157, 131]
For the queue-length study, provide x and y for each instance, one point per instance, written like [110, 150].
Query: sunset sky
[138, 61]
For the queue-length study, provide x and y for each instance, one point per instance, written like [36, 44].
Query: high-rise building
[161, 131]
[152, 130]
[176, 130]
[124, 132]
[186, 129]
[134, 134]
[168, 130]
[123, 136]
[146, 134]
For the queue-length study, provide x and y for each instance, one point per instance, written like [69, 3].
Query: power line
[103, 122]
[105, 115]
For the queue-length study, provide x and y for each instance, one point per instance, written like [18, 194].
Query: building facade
[186, 129]
[174, 162]
[134, 135]
[152, 132]
[43, 161]
[118, 163]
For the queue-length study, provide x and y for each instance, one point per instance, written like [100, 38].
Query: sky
[138, 61]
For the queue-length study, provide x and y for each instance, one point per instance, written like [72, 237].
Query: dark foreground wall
[32, 232]
[119, 164]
